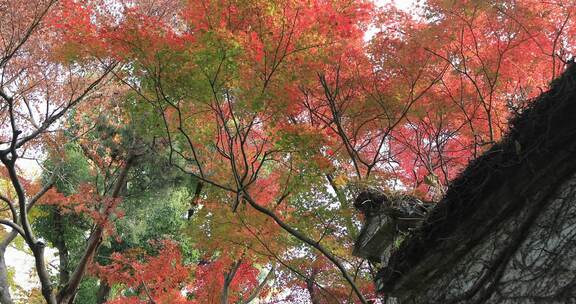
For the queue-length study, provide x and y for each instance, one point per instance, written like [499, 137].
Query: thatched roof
[520, 172]
[385, 216]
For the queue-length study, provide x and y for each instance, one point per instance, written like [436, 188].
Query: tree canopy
[208, 151]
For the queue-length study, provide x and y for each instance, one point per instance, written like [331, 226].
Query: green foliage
[69, 172]
[87, 291]
[11, 274]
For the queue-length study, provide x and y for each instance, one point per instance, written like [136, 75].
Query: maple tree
[36, 91]
[239, 131]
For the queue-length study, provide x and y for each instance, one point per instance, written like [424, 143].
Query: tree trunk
[43, 275]
[228, 277]
[5, 297]
[60, 243]
[68, 292]
[314, 296]
[103, 293]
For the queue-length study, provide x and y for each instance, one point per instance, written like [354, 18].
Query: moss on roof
[537, 155]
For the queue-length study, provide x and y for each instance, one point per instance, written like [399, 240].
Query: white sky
[401, 4]
[23, 264]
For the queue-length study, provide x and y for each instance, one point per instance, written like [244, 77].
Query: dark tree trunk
[314, 296]
[103, 293]
[228, 277]
[67, 294]
[60, 243]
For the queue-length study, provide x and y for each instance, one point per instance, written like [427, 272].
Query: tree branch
[308, 241]
[67, 293]
[260, 286]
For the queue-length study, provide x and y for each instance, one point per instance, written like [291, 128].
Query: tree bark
[60, 243]
[314, 297]
[43, 275]
[228, 277]
[5, 297]
[68, 292]
[102, 293]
